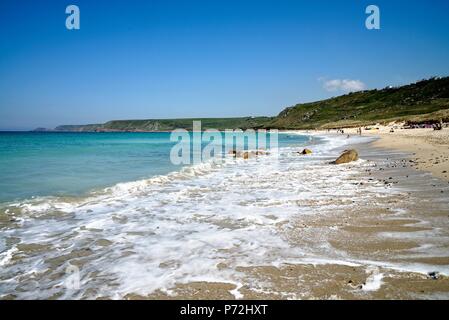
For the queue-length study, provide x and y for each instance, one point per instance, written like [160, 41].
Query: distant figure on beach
[438, 126]
[359, 131]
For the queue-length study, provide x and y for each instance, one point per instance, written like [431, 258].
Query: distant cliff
[152, 125]
[78, 128]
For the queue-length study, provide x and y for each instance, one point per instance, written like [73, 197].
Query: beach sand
[429, 149]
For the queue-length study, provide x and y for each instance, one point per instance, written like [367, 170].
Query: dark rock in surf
[347, 156]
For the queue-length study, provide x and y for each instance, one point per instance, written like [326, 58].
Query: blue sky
[167, 59]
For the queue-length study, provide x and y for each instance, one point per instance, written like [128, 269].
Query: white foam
[374, 280]
[6, 257]
[236, 293]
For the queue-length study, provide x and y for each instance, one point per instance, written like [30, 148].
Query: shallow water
[70, 164]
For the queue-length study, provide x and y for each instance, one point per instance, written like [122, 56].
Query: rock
[248, 154]
[434, 275]
[305, 151]
[233, 152]
[347, 156]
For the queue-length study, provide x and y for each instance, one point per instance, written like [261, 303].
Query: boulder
[347, 156]
[248, 154]
[306, 151]
[261, 153]
[235, 153]
[434, 275]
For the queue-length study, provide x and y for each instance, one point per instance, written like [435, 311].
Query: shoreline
[428, 150]
[303, 229]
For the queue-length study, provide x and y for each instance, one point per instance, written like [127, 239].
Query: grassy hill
[427, 100]
[169, 124]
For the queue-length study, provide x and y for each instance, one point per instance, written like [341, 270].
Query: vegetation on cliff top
[426, 100]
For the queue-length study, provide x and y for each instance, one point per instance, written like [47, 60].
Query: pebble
[434, 275]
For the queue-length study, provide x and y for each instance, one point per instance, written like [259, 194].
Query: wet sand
[307, 281]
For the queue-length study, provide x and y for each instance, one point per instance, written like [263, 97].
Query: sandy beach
[428, 149]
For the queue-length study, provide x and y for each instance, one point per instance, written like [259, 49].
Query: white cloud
[345, 85]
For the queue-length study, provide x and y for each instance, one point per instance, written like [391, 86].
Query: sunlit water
[42, 164]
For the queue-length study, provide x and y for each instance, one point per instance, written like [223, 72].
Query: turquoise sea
[36, 164]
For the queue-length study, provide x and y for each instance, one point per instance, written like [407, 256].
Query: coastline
[427, 149]
[299, 229]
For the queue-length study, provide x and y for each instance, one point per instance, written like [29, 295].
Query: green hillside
[170, 124]
[427, 100]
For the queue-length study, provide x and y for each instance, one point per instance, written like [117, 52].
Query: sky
[216, 58]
